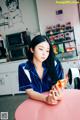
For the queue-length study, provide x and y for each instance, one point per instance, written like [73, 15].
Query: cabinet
[63, 42]
[9, 77]
[72, 63]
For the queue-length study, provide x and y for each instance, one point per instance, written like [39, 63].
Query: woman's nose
[44, 53]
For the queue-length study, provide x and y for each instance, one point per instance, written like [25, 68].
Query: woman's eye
[44, 50]
[40, 49]
[47, 51]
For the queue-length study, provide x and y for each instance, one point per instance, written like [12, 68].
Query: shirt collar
[29, 65]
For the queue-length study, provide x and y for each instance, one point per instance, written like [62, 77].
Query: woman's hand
[50, 100]
[56, 89]
[56, 92]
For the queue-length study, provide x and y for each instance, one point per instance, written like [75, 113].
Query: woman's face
[41, 51]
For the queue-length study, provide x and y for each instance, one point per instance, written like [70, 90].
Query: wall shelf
[63, 42]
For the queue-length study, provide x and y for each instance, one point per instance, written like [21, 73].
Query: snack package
[61, 83]
[56, 89]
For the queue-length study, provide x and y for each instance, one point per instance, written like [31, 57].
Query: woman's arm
[41, 97]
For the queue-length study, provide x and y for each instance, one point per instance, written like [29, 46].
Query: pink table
[67, 109]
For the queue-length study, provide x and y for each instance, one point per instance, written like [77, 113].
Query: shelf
[55, 33]
[63, 41]
[3, 24]
[66, 55]
[20, 57]
[17, 47]
[55, 42]
[3, 60]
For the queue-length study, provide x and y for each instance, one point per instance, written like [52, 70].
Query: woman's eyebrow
[44, 47]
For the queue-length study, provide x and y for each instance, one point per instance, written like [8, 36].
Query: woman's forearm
[41, 97]
[36, 96]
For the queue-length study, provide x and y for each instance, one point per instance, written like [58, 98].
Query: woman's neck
[37, 64]
[38, 67]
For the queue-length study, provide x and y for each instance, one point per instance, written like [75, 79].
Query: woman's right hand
[49, 100]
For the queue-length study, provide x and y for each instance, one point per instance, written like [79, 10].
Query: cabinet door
[5, 84]
[70, 64]
[65, 66]
[9, 83]
[15, 83]
[9, 78]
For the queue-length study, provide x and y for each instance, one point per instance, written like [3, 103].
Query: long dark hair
[49, 62]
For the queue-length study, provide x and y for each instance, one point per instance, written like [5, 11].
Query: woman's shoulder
[29, 65]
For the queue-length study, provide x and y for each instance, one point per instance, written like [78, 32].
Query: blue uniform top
[28, 77]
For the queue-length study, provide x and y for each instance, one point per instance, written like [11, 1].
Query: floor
[10, 103]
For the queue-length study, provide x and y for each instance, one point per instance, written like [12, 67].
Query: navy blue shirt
[28, 77]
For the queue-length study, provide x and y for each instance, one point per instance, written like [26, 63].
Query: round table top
[67, 109]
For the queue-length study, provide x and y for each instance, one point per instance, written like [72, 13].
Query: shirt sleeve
[24, 82]
[59, 69]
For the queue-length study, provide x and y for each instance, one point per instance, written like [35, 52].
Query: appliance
[2, 50]
[17, 45]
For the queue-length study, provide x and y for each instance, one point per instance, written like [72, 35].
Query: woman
[41, 72]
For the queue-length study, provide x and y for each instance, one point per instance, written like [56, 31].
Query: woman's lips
[42, 57]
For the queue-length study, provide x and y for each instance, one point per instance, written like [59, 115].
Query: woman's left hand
[56, 92]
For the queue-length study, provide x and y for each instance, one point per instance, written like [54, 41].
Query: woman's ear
[31, 49]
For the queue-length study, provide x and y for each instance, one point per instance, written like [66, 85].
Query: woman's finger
[51, 100]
